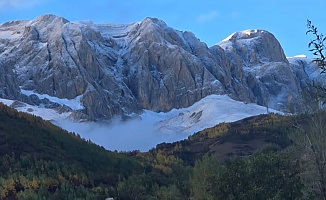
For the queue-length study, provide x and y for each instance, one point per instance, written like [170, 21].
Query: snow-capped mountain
[119, 70]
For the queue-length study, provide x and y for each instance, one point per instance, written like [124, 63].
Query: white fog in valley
[152, 128]
[131, 135]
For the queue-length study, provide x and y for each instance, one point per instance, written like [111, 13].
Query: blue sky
[210, 20]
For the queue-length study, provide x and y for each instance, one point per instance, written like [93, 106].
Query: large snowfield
[152, 128]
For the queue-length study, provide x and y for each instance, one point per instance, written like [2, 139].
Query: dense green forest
[250, 159]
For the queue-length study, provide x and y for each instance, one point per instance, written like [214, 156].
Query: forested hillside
[40, 159]
[248, 159]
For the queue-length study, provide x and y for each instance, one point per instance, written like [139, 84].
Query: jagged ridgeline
[120, 69]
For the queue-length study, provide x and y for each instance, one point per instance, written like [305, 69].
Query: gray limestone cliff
[118, 70]
[258, 58]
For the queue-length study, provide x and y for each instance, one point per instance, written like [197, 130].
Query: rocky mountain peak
[153, 30]
[255, 47]
[50, 18]
[153, 21]
[247, 34]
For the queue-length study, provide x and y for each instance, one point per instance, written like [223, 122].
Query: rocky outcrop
[9, 89]
[258, 58]
[53, 56]
[118, 70]
[164, 68]
[254, 47]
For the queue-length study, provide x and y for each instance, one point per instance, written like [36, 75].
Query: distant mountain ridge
[118, 70]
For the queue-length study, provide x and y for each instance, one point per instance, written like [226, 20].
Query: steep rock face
[310, 81]
[163, 67]
[9, 88]
[53, 56]
[253, 47]
[118, 70]
[258, 58]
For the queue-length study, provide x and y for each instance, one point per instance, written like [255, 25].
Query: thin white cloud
[207, 17]
[18, 4]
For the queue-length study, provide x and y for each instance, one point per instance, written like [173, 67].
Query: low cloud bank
[131, 135]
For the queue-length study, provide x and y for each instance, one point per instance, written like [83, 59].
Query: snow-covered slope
[152, 128]
[208, 112]
[46, 113]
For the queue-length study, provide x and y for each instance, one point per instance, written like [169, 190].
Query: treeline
[41, 161]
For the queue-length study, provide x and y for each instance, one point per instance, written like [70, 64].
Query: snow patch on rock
[74, 104]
